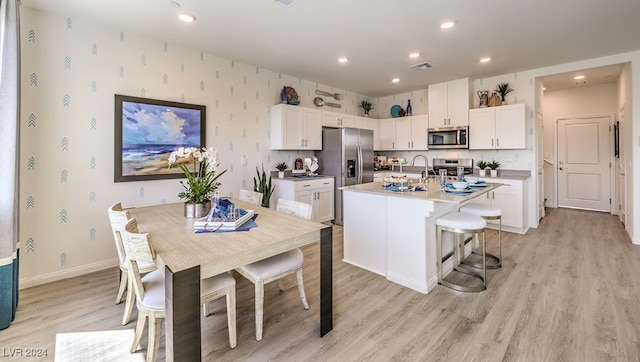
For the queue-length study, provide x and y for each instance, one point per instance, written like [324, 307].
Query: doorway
[584, 163]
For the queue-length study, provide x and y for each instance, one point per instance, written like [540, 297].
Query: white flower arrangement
[202, 184]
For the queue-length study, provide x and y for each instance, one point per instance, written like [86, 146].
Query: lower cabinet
[317, 192]
[510, 197]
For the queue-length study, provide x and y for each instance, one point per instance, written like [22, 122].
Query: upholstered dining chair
[118, 218]
[278, 266]
[253, 197]
[150, 290]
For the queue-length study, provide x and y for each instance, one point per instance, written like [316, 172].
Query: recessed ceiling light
[343, 59]
[414, 55]
[187, 18]
[447, 24]
[485, 60]
[578, 77]
[395, 80]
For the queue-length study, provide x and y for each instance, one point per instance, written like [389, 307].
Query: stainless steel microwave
[448, 137]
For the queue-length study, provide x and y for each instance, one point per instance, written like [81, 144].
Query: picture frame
[148, 130]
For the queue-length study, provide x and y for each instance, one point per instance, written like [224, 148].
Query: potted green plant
[366, 107]
[281, 166]
[503, 89]
[482, 165]
[493, 165]
[264, 186]
[201, 184]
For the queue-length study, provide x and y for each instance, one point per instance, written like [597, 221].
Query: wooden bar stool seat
[460, 224]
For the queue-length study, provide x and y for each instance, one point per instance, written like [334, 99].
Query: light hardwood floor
[568, 291]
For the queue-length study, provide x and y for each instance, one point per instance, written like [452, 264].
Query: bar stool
[461, 224]
[487, 212]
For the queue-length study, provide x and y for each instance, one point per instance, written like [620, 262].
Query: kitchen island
[393, 233]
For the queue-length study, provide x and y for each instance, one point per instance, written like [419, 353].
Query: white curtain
[9, 151]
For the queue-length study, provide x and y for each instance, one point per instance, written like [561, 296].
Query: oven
[448, 137]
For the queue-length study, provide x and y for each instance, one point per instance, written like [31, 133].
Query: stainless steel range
[451, 165]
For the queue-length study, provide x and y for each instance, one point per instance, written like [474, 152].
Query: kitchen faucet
[426, 165]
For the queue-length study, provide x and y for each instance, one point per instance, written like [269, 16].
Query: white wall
[597, 100]
[71, 70]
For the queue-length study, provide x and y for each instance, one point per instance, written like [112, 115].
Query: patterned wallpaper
[71, 70]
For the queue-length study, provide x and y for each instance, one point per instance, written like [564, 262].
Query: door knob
[561, 168]
[561, 162]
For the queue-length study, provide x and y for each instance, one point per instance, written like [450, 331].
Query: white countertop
[432, 192]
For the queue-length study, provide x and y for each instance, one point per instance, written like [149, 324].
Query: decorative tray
[231, 223]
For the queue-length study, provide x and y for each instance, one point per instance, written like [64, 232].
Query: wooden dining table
[186, 257]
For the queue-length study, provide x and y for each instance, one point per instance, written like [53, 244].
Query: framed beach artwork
[148, 130]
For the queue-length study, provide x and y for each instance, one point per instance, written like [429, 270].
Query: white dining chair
[118, 219]
[253, 197]
[278, 266]
[150, 290]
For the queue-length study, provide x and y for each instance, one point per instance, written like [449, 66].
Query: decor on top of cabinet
[263, 186]
[366, 107]
[494, 100]
[482, 165]
[203, 183]
[409, 110]
[493, 165]
[336, 96]
[289, 96]
[484, 98]
[503, 89]
[281, 167]
[395, 111]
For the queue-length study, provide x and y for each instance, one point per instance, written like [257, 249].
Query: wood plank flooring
[567, 291]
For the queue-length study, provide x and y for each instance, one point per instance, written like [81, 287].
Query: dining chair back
[278, 266]
[118, 219]
[295, 208]
[253, 197]
[150, 290]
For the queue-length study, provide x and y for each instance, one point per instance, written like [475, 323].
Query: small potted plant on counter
[281, 166]
[482, 165]
[493, 165]
[366, 107]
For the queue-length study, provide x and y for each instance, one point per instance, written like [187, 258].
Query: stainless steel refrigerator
[347, 154]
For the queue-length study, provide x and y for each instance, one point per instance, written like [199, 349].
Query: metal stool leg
[458, 252]
[495, 262]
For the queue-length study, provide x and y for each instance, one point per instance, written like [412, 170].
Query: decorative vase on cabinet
[409, 107]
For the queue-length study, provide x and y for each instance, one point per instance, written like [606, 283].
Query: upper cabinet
[387, 135]
[295, 128]
[404, 133]
[502, 127]
[449, 103]
[371, 124]
[337, 120]
[411, 132]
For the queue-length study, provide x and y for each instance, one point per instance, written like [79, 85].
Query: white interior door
[584, 163]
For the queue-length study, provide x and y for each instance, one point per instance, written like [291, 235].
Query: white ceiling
[306, 38]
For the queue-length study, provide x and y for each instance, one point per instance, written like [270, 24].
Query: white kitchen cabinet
[449, 103]
[501, 127]
[295, 128]
[511, 199]
[370, 124]
[404, 133]
[411, 132]
[387, 134]
[317, 192]
[337, 120]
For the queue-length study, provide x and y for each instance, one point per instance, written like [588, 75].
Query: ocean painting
[150, 132]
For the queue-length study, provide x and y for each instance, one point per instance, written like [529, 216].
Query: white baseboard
[67, 273]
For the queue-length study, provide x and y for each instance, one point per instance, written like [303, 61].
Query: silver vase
[196, 210]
